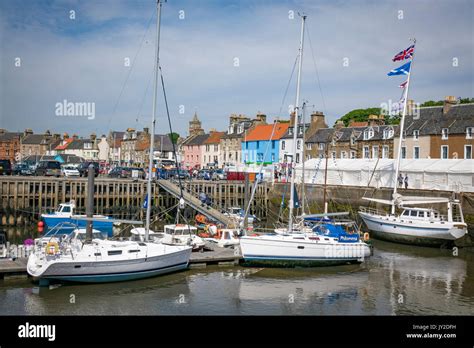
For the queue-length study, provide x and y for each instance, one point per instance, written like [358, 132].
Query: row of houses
[442, 132]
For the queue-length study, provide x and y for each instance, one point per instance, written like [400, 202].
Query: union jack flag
[403, 85]
[405, 54]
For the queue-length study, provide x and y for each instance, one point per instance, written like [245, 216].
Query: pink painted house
[193, 151]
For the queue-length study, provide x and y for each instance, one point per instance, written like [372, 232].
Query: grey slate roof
[197, 140]
[33, 139]
[287, 133]
[167, 144]
[8, 136]
[432, 120]
[78, 144]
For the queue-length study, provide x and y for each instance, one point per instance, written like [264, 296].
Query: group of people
[402, 180]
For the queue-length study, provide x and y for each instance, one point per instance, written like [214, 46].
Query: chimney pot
[449, 101]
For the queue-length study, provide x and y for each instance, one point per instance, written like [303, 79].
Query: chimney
[2, 130]
[146, 130]
[449, 101]
[261, 118]
[65, 136]
[74, 136]
[373, 120]
[27, 131]
[93, 137]
[339, 124]
[56, 136]
[381, 120]
[47, 133]
[318, 120]
[292, 119]
[410, 106]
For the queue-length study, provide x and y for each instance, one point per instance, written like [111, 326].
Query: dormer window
[353, 141]
[290, 131]
[300, 130]
[444, 133]
[388, 133]
[469, 133]
[416, 134]
[241, 128]
[321, 146]
[231, 129]
[368, 133]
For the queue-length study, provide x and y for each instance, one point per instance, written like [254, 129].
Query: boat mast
[303, 160]
[295, 126]
[153, 121]
[326, 178]
[402, 127]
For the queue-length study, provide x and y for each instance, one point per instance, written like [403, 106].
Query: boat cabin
[65, 209]
[235, 210]
[180, 230]
[422, 214]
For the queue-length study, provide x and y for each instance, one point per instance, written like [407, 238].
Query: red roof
[214, 138]
[358, 124]
[264, 131]
[63, 145]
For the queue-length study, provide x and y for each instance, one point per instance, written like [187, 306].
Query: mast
[295, 126]
[326, 179]
[402, 127]
[304, 158]
[153, 121]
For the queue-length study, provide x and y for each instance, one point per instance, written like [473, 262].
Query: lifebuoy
[52, 248]
[366, 236]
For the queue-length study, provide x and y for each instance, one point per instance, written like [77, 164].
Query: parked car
[22, 169]
[204, 175]
[5, 167]
[84, 168]
[183, 174]
[219, 174]
[118, 172]
[48, 168]
[69, 171]
[140, 172]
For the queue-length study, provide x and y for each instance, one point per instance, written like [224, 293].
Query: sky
[221, 57]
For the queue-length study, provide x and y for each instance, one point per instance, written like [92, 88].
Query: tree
[359, 115]
[174, 137]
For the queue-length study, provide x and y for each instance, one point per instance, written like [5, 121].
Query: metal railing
[373, 211]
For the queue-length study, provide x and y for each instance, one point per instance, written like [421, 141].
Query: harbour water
[397, 280]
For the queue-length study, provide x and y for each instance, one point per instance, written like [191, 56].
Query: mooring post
[90, 201]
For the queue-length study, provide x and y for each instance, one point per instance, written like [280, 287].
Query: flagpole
[402, 127]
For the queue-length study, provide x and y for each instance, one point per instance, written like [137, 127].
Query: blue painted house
[258, 147]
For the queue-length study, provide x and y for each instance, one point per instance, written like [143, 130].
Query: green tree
[174, 137]
[359, 115]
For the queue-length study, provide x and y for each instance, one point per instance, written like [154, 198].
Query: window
[309, 146]
[321, 146]
[375, 152]
[298, 144]
[416, 134]
[366, 152]
[368, 133]
[297, 158]
[404, 152]
[258, 144]
[333, 155]
[388, 133]
[273, 157]
[343, 154]
[215, 159]
[353, 154]
[216, 147]
[259, 157]
[207, 147]
[416, 152]
[273, 144]
[290, 131]
[406, 212]
[300, 130]
[353, 141]
[468, 151]
[241, 128]
[413, 213]
[385, 151]
[246, 146]
[444, 133]
[444, 152]
[283, 144]
[231, 129]
[469, 133]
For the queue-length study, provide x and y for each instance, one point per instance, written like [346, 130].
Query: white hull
[151, 259]
[290, 250]
[394, 228]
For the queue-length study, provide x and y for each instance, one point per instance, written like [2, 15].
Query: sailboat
[414, 224]
[296, 247]
[83, 256]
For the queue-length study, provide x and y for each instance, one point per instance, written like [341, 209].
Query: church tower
[195, 126]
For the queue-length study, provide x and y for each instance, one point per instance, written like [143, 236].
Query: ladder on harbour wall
[195, 203]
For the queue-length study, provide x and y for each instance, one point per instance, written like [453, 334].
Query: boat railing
[373, 211]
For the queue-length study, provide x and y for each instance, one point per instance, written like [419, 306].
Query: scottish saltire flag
[403, 85]
[403, 70]
[405, 54]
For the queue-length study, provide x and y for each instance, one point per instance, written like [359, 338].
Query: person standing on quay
[400, 180]
[406, 181]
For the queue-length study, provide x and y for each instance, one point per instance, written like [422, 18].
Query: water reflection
[396, 280]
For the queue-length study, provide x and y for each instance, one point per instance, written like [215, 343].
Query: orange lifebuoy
[366, 236]
[52, 248]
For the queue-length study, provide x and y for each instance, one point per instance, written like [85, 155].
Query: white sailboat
[414, 224]
[81, 257]
[296, 247]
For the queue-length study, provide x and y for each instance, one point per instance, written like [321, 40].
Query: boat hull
[395, 231]
[279, 251]
[110, 271]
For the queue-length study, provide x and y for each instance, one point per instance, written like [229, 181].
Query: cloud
[83, 59]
